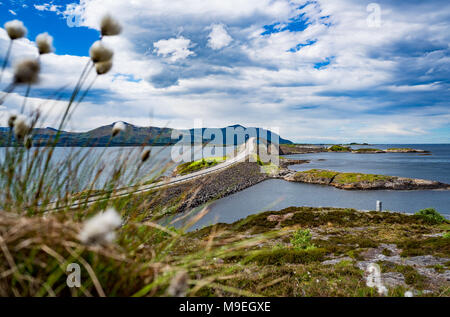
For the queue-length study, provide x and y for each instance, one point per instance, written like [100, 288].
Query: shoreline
[232, 180]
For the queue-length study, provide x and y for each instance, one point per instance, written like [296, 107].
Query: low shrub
[301, 240]
[430, 216]
[339, 148]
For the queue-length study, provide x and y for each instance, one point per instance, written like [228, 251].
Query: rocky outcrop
[405, 150]
[203, 189]
[368, 151]
[300, 149]
[304, 149]
[359, 181]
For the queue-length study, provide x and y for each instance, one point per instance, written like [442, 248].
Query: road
[250, 148]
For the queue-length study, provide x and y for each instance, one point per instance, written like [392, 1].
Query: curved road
[241, 157]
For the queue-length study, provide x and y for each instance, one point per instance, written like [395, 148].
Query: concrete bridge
[245, 150]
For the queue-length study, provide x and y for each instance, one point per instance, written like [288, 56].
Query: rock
[300, 149]
[359, 181]
[393, 279]
[405, 150]
[425, 260]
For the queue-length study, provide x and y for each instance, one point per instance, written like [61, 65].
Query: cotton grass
[44, 43]
[100, 228]
[117, 128]
[103, 67]
[15, 29]
[100, 53]
[27, 72]
[110, 26]
[21, 127]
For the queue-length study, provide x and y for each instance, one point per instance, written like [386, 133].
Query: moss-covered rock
[339, 148]
[360, 181]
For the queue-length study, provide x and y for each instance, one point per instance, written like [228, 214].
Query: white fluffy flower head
[44, 43]
[110, 26]
[100, 228]
[103, 67]
[100, 53]
[117, 128]
[27, 72]
[15, 29]
[21, 127]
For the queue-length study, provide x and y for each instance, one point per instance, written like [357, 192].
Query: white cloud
[396, 74]
[219, 37]
[174, 48]
[12, 12]
[48, 7]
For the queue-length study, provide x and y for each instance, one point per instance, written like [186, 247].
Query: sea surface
[277, 194]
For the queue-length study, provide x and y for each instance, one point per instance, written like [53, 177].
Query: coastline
[412, 254]
[242, 176]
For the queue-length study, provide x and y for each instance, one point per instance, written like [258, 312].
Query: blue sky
[321, 71]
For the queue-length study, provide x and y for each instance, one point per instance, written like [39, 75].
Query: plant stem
[27, 93]
[5, 62]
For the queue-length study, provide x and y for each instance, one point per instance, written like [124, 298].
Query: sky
[324, 71]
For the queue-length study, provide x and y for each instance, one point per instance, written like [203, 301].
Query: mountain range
[133, 136]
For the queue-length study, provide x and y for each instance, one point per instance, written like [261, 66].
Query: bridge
[246, 150]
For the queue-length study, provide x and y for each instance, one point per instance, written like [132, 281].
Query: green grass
[431, 216]
[276, 267]
[318, 173]
[412, 277]
[301, 240]
[190, 167]
[286, 256]
[343, 178]
[346, 178]
[339, 148]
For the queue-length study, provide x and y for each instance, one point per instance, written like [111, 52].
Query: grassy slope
[274, 268]
[190, 167]
[343, 178]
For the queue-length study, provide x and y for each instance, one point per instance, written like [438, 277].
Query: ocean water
[433, 167]
[279, 194]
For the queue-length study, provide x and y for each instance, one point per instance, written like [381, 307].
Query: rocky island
[360, 181]
[291, 149]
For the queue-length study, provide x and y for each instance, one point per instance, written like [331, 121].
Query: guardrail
[145, 188]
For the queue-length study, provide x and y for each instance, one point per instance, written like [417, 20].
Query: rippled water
[278, 194]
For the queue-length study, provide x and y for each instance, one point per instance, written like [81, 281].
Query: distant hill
[132, 136]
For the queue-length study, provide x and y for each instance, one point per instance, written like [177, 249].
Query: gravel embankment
[203, 189]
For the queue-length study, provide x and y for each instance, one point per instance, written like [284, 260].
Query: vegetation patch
[301, 240]
[283, 256]
[412, 277]
[190, 167]
[431, 216]
[437, 246]
[368, 151]
[347, 178]
[339, 148]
